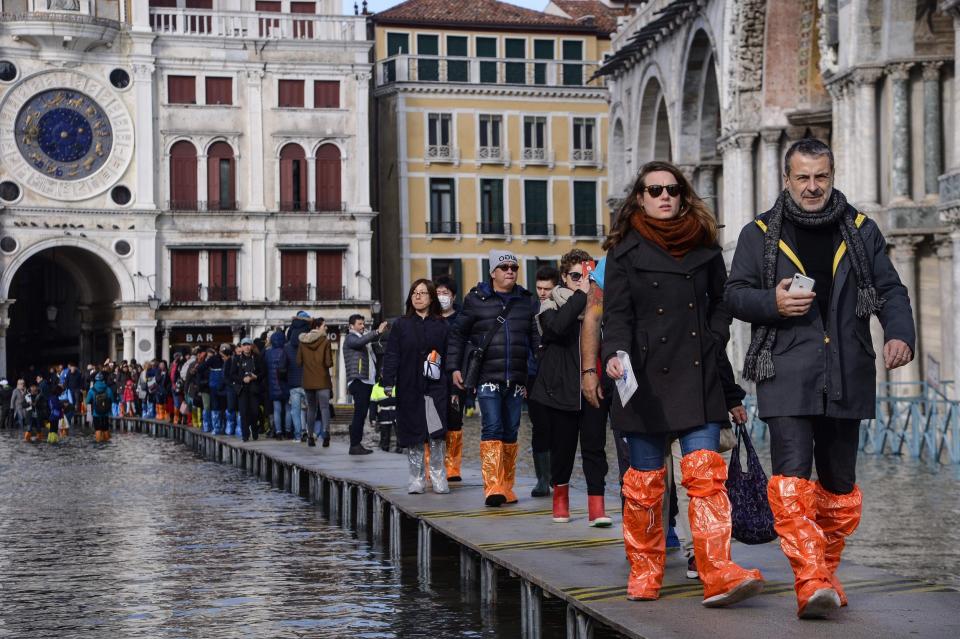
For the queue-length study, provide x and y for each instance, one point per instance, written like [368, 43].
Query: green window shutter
[535, 207]
[428, 70]
[585, 208]
[458, 276]
[487, 48]
[491, 203]
[457, 70]
[531, 266]
[572, 73]
[515, 71]
[542, 50]
[397, 43]
[484, 270]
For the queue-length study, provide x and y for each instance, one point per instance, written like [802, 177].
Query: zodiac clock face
[64, 135]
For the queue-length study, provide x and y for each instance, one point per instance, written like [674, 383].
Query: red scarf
[677, 236]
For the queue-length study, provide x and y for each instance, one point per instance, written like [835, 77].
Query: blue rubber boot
[207, 420]
[217, 419]
[233, 424]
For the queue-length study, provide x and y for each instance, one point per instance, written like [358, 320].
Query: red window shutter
[293, 275]
[303, 28]
[291, 93]
[184, 276]
[199, 4]
[328, 178]
[326, 94]
[266, 25]
[181, 89]
[293, 197]
[219, 90]
[215, 268]
[303, 7]
[329, 275]
[218, 152]
[264, 5]
[183, 176]
[231, 257]
[164, 4]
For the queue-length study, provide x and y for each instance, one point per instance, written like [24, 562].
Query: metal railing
[440, 227]
[201, 205]
[300, 206]
[184, 294]
[244, 25]
[538, 229]
[913, 419]
[583, 156]
[587, 230]
[493, 228]
[295, 292]
[223, 293]
[441, 153]
[473, 70]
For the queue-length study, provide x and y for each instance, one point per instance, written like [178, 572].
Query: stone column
[359, 199]
[739, 207]
[165, 345]
[866, 156]
[255, 198]
[947, 287]
[932, 132]
[904, 258]
[128, 345]
[839, 145]
[770, 170]
[707, 187]
[955, 241]
[143, 148]
[900, 75]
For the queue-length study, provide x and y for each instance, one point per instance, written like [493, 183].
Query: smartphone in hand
[801, 283]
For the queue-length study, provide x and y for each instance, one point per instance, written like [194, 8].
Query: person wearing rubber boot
[413, 366]
[812, 358]
[547, 279]
[503, 313]
[665, 328]
[557, 388]
[447, 294]
[99, 400]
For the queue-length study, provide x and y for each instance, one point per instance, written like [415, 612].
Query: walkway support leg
[377, 519]
[395, 530]
[488, 582]
[334, 502]
[423, 550]
[347, 506]
[531, 597]
[362, 509]
[579, 625]
[468, 568]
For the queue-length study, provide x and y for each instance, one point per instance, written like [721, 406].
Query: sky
[380, 5]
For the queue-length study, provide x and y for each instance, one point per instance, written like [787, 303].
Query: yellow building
[489, 132]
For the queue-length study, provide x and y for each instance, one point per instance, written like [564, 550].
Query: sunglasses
[508, 267]
[673, 190]
[576, 276]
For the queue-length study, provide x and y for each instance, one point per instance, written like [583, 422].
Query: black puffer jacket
[506, 359]
[558, 382]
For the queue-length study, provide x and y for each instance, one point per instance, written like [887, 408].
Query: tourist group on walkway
[637, 339]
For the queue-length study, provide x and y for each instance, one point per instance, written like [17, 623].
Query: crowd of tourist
[637, 340]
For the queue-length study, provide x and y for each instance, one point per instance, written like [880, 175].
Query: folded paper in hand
[627, 384]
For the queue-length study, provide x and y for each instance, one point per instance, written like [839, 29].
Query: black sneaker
[303, 438]
[312, 441]
[692, 568]
[326, 441]
[359, 450]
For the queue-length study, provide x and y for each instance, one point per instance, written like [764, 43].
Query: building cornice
[513, 91]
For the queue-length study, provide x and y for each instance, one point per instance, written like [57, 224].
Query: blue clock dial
[64, 134]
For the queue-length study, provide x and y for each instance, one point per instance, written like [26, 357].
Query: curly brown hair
[571, 259]
[690, 203]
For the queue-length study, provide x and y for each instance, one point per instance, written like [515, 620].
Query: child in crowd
[129, 397]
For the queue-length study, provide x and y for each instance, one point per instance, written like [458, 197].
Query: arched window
[221, 181]
[293, 178]
[328, 178]
[183, 177]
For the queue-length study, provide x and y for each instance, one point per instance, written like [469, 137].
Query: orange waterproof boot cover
[454, 453]
[508, 470]
[794, 505]
[491, 458]
[704, 477]
[643, 536]
[838, 516]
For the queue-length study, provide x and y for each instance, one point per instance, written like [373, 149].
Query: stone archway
[653, 133]
[61, 307]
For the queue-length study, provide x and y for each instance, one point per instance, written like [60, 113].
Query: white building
[178, 171]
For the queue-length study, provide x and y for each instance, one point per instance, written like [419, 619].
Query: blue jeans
[295, 409]
[648, 450]
[500, 406]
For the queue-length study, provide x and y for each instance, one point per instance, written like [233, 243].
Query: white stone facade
[64, 206]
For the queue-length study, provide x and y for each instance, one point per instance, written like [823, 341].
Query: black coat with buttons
[668, 314]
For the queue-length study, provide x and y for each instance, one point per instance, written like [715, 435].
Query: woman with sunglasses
[665, 326]
[557, 388]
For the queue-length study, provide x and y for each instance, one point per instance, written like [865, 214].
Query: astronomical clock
[64, 135]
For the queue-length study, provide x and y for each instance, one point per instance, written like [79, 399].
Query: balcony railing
[294, 292]
[440, 227]
[256, 25]
[185, 293]
[472, 70]
[331, 293]
[493, 228]
[493, 155]
[223, 293]
[441, 153]
[584, 156]
[588, 230]
[296, 206]
[200, 205]
[312, 293]
[538, 229]
[537, 156]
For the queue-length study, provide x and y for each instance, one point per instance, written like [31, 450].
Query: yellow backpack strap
[842, 249]
[783, 247]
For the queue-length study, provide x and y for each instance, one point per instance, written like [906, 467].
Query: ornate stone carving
[827, 40]
[900, 71]
[931, 71]
[867, 75]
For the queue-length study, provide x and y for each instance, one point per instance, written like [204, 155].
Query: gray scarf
[758, 363]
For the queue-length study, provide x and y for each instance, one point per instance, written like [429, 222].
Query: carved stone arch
[337, 142]
[745, 34]
[699, 101]
[619, 163]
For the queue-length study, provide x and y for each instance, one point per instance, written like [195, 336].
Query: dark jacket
[278, 367]
[356, 359]
[242, 366]
[294, 370]
[806, 365]
[316, 357]
[669, 316]
[74, 381]
[211, 368]
[506, 358]
[411, 339]
[558, 384]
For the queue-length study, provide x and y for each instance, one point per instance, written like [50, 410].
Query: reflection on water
[138, 538]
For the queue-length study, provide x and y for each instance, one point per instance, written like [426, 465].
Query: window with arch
[221, 178]
[293, 178]
[328, 178]
[183, 177]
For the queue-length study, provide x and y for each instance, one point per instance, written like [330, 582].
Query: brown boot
[838, 516]
[491, 460]
[793, 502]
[643, 535]
[508, 471]
[454, 454]
[724, 582]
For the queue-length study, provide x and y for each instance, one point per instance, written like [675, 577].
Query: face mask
[445, 302]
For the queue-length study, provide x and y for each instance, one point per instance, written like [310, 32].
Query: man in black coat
[813, 360]
[501, 385]
[249, 373]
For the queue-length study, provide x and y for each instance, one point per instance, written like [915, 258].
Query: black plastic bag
[751, 514]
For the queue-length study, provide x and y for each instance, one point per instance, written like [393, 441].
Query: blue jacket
[99, 387]
[294, 370]
[277, 360]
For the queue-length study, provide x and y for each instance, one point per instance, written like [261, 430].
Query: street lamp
[153, 302]
[52, 313]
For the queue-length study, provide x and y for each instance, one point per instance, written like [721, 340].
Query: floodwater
[140, 538]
